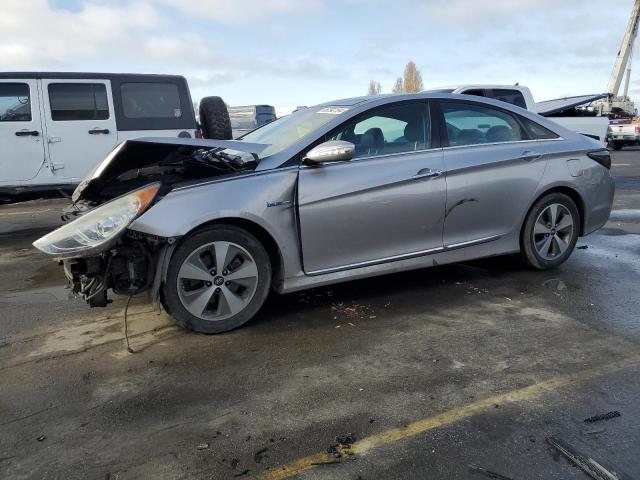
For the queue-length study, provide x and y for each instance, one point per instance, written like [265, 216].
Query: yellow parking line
[450, 416]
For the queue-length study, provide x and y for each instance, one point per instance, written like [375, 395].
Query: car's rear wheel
[617, 145]
[550, 231]
[217, 280]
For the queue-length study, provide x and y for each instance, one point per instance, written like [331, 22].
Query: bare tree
[374, 88]
[399, 86]
[412, 78]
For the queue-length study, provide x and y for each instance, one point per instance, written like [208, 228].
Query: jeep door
[385, 204]
[21, 136]
[80, 125]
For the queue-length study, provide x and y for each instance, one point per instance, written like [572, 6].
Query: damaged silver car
[344, 190]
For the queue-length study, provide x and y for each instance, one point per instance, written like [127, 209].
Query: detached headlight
[98, 227]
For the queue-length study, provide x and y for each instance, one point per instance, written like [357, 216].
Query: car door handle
[528, 156]
[95, 131]
[427, 173]
[27, 133]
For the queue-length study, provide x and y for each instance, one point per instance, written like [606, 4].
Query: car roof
[84, 75]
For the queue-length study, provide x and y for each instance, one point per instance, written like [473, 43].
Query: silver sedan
[344, 190]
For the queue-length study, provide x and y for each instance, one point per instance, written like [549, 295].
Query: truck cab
[56, 127]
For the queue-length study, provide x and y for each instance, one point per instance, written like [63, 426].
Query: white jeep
[56, 127]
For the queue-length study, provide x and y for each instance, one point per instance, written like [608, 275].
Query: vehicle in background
[56, 127]
[344, 190]
[592, 126]
[623, 132]
[249, 117]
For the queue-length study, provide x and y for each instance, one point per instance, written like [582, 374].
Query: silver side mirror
[331, 151]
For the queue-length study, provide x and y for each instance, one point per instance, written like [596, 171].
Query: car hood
[145, 152]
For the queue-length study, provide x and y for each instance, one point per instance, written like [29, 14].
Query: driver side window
[387, 130]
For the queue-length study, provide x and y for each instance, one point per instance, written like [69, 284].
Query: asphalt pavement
[421, 375]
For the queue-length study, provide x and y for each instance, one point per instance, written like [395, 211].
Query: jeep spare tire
[214, 119]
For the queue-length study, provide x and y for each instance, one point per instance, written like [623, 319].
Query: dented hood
[142, 152]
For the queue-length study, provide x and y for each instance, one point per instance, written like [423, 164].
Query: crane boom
[625, 51]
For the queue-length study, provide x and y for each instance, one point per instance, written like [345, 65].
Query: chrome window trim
[372, 157]
[535, 140]
[406, 256]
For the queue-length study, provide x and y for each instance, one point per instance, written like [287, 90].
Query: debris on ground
[242, 473]
[342, 445]
[588, 465]
[41, 438]
[488, 473]
[346, 440]
[595, 431]
[260, 454]
[352, 311]
[203, 446]
[604, 416]
[556, 284]
[582, 247]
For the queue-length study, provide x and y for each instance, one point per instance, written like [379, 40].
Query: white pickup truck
[55, 127]
[623, 133]
[591, 126]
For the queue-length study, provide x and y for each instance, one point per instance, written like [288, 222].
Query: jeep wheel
[214, 119]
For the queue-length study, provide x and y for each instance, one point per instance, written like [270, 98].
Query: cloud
[237, 12]
[32, 34]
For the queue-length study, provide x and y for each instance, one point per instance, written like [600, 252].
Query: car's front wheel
[218, 278]
[550, 231]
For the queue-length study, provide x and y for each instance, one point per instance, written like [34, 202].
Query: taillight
[603, 157]
[638, 130]
[199, 134]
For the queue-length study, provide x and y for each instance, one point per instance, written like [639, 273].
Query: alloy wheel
[553, 231]
[217, 280]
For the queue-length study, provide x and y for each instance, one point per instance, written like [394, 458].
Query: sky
[302, 52]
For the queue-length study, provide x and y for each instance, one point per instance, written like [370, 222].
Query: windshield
[287, 130]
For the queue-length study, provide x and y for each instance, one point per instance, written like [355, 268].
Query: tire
[188, 288]
[617, 145]
[537, 235]
[214, 119]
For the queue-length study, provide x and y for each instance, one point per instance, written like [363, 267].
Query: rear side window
[471, 124]
[537, 131]
[514, 97]
[15, 104]
[150, 100]
[78, 101]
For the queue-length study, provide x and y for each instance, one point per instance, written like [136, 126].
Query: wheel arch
[262, 235]
[570, 192]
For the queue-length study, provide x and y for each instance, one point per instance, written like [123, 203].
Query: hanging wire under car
[126, 325]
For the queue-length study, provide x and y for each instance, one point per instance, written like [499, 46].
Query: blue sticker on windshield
[177, 112]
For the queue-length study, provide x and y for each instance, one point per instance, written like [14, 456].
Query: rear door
[386, 203]
[80, 125]
[493, 169]
[21, 136]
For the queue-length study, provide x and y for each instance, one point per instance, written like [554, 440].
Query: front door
[21, 136]
[80, 125]
[385, 204]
